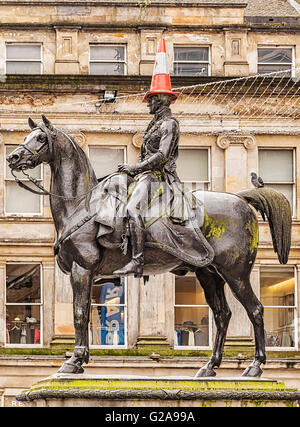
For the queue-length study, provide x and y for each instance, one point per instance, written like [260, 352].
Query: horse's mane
[83, 157]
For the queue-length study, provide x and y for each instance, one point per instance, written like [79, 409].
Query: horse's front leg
[81, 281]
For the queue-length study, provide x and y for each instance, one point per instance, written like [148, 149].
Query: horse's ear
[32, 123]
[47, 122]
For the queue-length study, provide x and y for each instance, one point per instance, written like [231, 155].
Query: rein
[45, 192]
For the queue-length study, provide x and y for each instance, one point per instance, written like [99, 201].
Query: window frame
[208, 183]
[124, 45]
[125, 306]
[21, 214]
[113, 147]
[41, 304]
[41, 60]
[210, 318]
[294, 307]
[294, 183]
[208, 62]
[292, 64]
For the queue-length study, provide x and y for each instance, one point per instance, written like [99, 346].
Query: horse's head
[36, 149]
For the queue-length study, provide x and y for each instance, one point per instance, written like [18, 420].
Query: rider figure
[159, 152]
[157, 163]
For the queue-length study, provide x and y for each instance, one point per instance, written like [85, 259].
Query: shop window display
[192, 315]
[277, 294]
[108, 313]
[23, 304]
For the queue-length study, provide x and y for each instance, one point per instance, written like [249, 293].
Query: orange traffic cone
[161, 82]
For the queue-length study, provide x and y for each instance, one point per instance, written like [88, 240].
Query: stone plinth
[141, 391]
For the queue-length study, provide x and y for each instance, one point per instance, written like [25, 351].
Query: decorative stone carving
[137, 140]
[80, 138]
[1, 139]
[224, 141]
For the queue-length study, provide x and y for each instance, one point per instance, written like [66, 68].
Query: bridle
[48, 144]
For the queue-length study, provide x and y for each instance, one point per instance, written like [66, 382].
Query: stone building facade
[59, 58]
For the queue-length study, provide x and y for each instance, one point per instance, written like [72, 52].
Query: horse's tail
[275, 206]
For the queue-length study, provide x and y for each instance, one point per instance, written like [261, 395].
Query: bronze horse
[79, 254]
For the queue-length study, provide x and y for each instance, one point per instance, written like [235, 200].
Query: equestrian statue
[140, 221]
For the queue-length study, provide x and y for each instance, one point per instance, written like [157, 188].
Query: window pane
[188, 291]
[191, 53]
[192, 165]
[23, 324]
[279, 327]
[105, 160]
[35, 173]
[185, 69]
[107, 68]
[104, 53]
[26, 52]
[191, 326]
[23, 67]
[275, 55]
[264, 69]
[107, 319]
[21, 201]
[285, 189]
[23, 283]
[276, 165]
[277, 286]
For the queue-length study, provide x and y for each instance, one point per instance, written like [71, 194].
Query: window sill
[22, 218]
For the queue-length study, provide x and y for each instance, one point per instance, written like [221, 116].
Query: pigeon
[256, 180]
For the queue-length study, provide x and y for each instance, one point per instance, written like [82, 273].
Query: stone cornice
[76, 83]
[137, 3]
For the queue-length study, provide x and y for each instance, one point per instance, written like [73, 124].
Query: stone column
[240, 152]
[156, 312]
[149, 40]
[66, 61]
[2, 304]
[236, 44]
[48, 302]
[64, 333]
[298, 302]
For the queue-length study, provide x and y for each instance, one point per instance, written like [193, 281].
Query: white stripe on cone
[161, 64]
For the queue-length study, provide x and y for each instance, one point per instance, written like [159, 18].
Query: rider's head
[158, 100]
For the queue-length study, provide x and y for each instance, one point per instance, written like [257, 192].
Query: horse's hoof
[252, 371]
[70, 368]
[205, 372]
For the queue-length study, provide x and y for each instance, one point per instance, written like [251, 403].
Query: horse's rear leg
[242, 290]
[81, 281]
[213, 286]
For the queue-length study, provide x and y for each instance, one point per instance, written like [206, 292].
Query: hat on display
[161, 82]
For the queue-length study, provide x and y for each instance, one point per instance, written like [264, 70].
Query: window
[107, 60]
[193, 167]
[272, 59]
[278, 295]
[191, 61]
[105, 160]
[276, 167]
[18, 200]
[108, 313]
[23, 59]
[23, 305]
[192, 315]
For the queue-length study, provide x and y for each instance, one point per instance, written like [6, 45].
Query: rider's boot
[137, 237]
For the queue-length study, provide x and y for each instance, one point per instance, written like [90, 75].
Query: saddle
[172, 220]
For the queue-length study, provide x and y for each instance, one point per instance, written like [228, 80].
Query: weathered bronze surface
[228, 224]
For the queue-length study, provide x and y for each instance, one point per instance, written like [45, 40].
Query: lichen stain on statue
[216, 238]
[214, 227]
